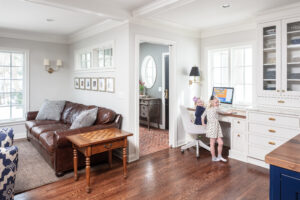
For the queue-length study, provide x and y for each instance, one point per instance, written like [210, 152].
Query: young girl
[213, 129]
[199, 112]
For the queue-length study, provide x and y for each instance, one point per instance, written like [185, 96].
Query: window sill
[9, 123]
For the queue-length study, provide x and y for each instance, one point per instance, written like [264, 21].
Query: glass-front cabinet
[279, 58]
[291, 57]
[270, 61]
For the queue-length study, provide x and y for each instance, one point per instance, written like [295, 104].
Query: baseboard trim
[260, 163]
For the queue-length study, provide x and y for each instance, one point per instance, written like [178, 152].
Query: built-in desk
[285, 170]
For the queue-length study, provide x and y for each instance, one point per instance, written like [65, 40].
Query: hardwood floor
[167, 174]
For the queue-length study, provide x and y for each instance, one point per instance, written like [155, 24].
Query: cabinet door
[291, 57]
[269, 54]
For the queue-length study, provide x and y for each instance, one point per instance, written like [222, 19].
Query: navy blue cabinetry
[284, 184]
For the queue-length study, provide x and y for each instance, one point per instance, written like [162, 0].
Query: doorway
[153, 97]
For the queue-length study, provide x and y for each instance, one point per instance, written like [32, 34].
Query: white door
[269, 56]
[291, 57]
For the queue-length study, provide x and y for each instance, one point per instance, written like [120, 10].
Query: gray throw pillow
[85, 118]
[50, 110]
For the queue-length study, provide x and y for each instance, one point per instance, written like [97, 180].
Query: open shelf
[293, 46]
[293, 79]
[291, 32]
[270, 64]
[270, 49]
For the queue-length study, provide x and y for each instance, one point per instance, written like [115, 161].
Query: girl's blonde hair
[211, 100]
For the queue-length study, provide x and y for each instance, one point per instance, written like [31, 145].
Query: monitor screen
[225, 94]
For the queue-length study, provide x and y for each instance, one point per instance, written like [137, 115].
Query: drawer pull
[280, 101]
[272, 143]
[282, 90]
[272, 119]
[108, 146]
[278, 90]
[238, 135]
[272, 131]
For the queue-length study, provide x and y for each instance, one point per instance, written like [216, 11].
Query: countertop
[235, 113]
[287, 155]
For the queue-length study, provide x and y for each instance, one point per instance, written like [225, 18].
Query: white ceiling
[72, 16]
[203, 14]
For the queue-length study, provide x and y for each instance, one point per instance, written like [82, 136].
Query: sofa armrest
[31, 115]
[60, 139]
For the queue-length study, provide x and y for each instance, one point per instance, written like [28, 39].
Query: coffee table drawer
[107, 146]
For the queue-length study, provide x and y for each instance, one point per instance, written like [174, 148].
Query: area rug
[33, 170]
[153, 140]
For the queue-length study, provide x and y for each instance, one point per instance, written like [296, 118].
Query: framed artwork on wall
[94, 84]
[82, 83]
[101, 84]
[87, 83]
[110, 85]
[76, 83]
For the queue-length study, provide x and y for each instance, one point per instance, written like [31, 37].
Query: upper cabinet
[279, 59]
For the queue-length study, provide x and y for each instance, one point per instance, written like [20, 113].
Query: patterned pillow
[85, 118]
[51, 110]
[6, 137]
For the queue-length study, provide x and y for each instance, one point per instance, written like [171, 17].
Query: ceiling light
[50, 20]
[226, 5]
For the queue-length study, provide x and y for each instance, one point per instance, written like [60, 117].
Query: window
[148, 71]
[12, 84]
[232, 67]
[85, 60]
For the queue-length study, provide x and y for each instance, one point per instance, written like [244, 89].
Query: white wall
[42, 85]
[220, 41]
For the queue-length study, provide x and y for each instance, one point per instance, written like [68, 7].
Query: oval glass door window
[148, 71]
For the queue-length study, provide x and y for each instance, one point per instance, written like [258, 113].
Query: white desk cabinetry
[238, 148]
[267, 131]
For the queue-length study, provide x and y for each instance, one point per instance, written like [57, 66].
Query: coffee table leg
[110, 158]
[87, 172]
[75, 160]
[125, 160]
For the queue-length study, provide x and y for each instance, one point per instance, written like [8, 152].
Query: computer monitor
[224, 94]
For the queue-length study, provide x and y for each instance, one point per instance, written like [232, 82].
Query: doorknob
[166, 94]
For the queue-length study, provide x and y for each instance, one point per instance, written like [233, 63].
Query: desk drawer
[272, 131]
[239, 124]
[266, 142]
[107, 146]
[274, 120]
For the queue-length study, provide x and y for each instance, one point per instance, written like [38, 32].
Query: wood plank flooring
[167, 174]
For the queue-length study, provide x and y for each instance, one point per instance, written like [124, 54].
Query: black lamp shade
[195, 71]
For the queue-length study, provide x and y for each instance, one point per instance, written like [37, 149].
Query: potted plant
[142, 87]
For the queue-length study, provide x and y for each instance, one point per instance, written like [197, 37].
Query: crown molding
[95, 29]
[279, 13]
[159, 6]
[167, 26]
[34, 36]
[230, 28]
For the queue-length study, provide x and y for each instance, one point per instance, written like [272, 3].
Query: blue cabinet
[284, 184]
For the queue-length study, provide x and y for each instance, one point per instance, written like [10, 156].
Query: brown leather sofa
[49, 137]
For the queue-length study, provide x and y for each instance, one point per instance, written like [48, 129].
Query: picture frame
[101, 84]
[76, 83]
[94, 84]
[110, 84]
[88, 84]
[82, 83]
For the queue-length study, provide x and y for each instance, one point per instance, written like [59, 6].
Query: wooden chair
[193, 131]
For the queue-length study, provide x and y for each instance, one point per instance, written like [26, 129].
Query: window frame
[229, 48]
[25, 84]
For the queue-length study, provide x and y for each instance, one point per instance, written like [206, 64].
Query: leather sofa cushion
[105, 116]
[32, 123]
[46, 139]
[72, 110]
[37, 130]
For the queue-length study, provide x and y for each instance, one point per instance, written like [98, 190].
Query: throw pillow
[85, 118]
[50, 110]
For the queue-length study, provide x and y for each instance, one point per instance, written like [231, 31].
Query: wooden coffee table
[99, 141]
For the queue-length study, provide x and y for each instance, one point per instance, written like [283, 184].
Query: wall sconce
[51, 69]
[195, 73]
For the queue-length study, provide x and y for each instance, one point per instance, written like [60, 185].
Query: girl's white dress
[213, 129]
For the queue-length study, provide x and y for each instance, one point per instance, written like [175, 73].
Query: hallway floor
[153, 140]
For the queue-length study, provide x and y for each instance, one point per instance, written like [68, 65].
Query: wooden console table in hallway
[95, 142]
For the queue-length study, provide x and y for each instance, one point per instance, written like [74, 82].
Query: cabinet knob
[108, 146]
[272, 119]
[278, 90]
[272, 131]
[238, 122]
[282, 90]
[280, 101]
[272, 143]
[238, 135]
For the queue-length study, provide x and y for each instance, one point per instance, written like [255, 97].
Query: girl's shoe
[220, 158]
[215, 159]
